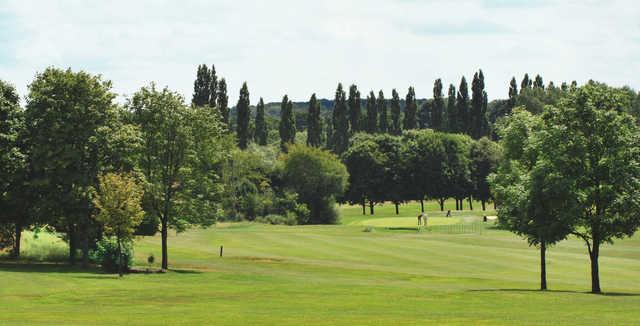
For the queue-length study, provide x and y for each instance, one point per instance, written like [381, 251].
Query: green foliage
[223, 102]
[372, 114]
[202, 86]
[261, 125]
[477, 116]
[287, 124]
[453, 118]
[118, 201]
[276, 219]
[462, 107]
[107, 255]
[318, 177]
[244, 115]
[485, 156]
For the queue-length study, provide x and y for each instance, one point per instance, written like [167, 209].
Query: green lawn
[278, 275]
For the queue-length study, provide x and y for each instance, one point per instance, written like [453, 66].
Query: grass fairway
[278, 275]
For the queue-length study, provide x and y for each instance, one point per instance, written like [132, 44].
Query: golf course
[368, 270]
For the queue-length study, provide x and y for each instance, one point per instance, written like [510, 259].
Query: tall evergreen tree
[244, 115]
[213, 87]
[453, 122]
[513, 92]
[314, 128]
[223, 102]
[340, 122]
[261, 125]
[438, 106]
[526, 83]
[354, 108]
[383, 119]
[484, 125]
[396, 126]
[372, 114]
[476, 116]
[410, 110]
[462, 103]
[201, 91]
[538, 82]
[328, 131]
[287, 123]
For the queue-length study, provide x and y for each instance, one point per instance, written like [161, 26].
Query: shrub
[106, 255]
[275, 219]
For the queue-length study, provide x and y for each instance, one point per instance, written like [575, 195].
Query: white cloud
[301, 47]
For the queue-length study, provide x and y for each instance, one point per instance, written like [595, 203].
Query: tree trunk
[595, 274]
[364, 211]
[165, 259]
[441, 202]
[470, 203]
[457, 205]
[462, 204]
[15, 252]
[72, 246]
[371, 207]
[85, 246]
[494, 205]
[119, 258]
[421, 205]
[543, 266]
[397, 210]
[484, 207]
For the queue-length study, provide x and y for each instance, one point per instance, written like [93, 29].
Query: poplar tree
[354, 108]
[438, 106]
[223, 102]
[201, 91]
[383, 126]
[462, 103]
[287, 123]
[525, 84]
[372, 114]
[452, 111]
[410, 110]
[396, 127]
[513, 92]
[261, 124]
[213, 87]
[477, 101]
[340, 122]
[424, 115]
[314, 128]
[538, 83]
[244, 114]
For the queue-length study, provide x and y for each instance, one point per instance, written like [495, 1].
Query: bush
[276, 219]
[106, 255]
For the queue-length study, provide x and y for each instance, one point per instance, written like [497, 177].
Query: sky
[302, 47]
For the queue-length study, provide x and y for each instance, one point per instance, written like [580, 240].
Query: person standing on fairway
[422, 216]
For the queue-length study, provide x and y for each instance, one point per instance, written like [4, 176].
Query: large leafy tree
[65, 114]
[410, 110]
[383, 118]
[485, 156]
[244, 116]
[396, 123]
[366, 166]
[372, 113]
[340, 122]
[318, 177]
[437, 118]
[314, 127]
[354, 108]
[12, 170]
[531, 197]
[426, 166]
[592, 144]
[261, 125]
[118, 201]
[287, 128]
[180, 157]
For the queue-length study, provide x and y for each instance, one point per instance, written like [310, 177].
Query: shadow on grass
[402, 229]
[31, 267]
[184, 271]
[612, 294]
